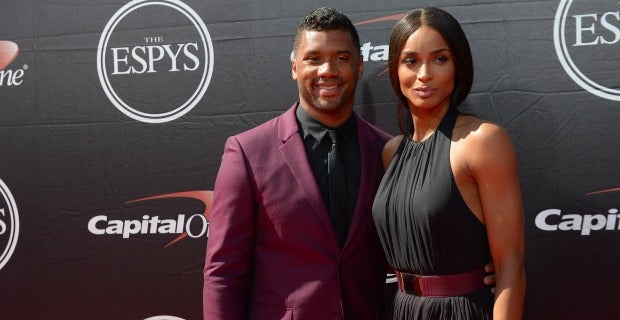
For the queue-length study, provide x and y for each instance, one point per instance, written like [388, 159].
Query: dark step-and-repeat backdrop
[113, 117]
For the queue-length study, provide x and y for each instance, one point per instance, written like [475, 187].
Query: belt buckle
[411, 283]
[417, 285]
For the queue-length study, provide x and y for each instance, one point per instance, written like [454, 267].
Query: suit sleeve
[231, 238]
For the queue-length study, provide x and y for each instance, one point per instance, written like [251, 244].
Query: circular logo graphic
[155, 60]
[9, 225]
[587, 42]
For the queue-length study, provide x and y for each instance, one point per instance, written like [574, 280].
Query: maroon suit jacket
[271, 251]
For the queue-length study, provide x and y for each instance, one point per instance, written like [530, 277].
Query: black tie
[337, 189]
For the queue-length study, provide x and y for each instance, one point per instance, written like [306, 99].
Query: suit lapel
[370, 165]
[293, 152]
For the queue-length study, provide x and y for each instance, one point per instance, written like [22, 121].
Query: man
[276, 250]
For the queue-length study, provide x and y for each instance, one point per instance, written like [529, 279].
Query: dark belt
[441, 286]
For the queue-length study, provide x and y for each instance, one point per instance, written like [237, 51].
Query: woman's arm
[494, 167]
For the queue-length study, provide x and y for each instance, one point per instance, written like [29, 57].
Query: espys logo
[193, 226]
[8, 53]
[9, 224]
[155, 60]
[556, 220]
[587, 41]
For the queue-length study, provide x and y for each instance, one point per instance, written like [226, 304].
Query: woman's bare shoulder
[389, 150]
[477, 130]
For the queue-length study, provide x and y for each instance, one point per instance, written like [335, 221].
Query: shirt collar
[316, 129]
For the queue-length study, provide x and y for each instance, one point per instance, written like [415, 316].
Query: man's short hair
[326, 19]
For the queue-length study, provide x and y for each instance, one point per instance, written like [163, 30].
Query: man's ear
[360, 68]
[293, 68]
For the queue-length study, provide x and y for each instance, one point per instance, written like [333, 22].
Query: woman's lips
[424, 92]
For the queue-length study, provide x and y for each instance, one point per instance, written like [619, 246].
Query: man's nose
[327, 68]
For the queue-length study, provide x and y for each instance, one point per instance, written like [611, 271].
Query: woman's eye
[441, 59]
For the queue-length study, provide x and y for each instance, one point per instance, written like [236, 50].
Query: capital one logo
[585, 223]
[183, 225]
[8, 53]
[9, 224]
[155, 60]
[587, 41]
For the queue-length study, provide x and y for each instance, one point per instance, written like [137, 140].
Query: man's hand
[489, 279]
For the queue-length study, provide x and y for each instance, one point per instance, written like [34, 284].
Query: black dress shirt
[317, 145]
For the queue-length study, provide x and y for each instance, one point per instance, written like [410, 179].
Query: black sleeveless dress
[426, 228]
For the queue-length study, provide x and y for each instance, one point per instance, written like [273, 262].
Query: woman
[450, 197]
